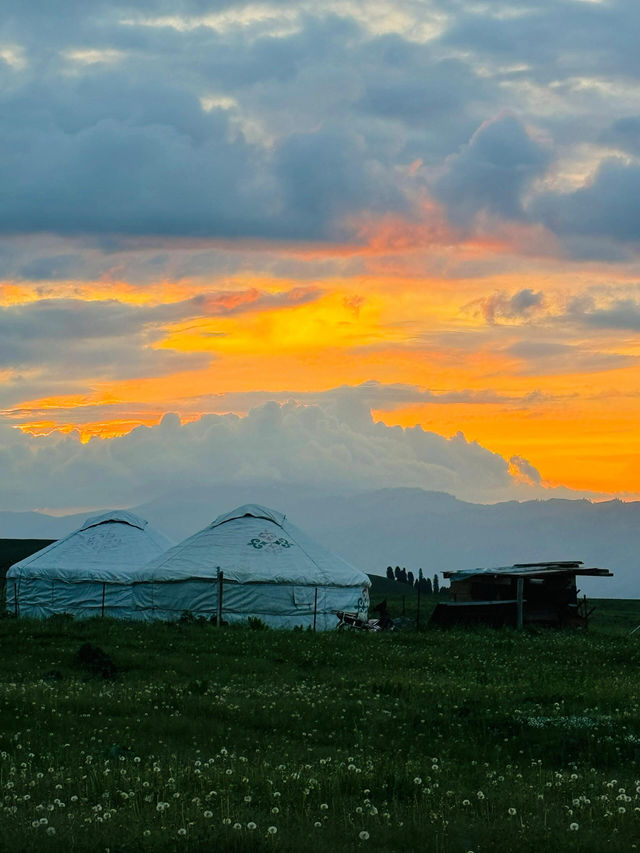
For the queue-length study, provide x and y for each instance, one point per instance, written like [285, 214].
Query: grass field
[240, 739]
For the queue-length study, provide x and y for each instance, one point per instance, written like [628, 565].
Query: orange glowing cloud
[394, 319]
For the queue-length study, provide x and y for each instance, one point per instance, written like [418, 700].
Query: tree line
[425, 585]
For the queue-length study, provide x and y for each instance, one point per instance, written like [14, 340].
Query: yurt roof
[107, 547]
[255, 544]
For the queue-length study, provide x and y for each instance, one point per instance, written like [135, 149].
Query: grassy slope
[422, 740]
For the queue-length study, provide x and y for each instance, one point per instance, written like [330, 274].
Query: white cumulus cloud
[339, 448]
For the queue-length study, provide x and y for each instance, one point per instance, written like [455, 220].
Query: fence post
[220, 587]
[315, 607]
[520, 605]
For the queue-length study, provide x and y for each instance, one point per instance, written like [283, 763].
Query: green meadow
[190, 737]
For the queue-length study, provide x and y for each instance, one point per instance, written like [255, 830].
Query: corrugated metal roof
[525, 570]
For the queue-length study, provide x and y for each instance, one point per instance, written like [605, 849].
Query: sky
[353, 243]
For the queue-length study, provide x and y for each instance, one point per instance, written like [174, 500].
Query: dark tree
[428, 586]
[389, 573]
[420, 575]
[410, 578]
[396, 573]
[436, 585]
[403, 575]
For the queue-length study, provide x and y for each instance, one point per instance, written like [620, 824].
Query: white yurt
[91, 572]
[252, 562]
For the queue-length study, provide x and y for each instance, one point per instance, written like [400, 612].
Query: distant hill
[26, 525]
[13, 550]
[410, 527]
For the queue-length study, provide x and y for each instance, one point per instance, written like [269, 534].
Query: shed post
[418, 610]
[315, 607]
[103, 595]
[220, 587]
[520, 602]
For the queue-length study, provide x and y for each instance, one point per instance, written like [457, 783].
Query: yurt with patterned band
[253, 562]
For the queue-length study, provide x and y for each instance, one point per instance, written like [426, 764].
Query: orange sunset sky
[416, 206]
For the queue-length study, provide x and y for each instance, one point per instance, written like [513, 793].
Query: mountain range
[408, 527]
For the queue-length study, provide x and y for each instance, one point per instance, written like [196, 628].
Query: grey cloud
[599, 37]
[48, 259]
[491, 173]
[111, 338]
[378, 395]
[52, 267]
[623, 314]
[321, 182]
[526, 469]
[350, 403]
[317, 121]
[550, 357]
[127, 149]
[511, 306]
[113, 177]
[86, 339]
[410, 83]
[625, 134]
[607, 207]
[538, 349]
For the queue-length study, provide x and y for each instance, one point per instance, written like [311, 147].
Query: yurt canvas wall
[91, 572]
[271, 569]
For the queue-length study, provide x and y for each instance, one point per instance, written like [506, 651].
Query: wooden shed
[518, 595]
